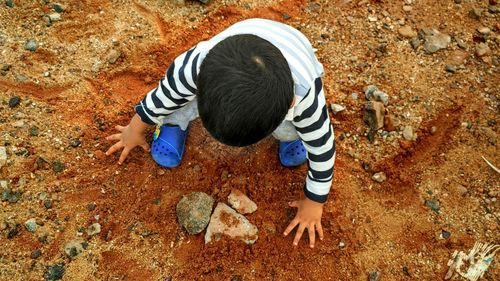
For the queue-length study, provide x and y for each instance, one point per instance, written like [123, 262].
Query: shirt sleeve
[314, 128]
[174, 91]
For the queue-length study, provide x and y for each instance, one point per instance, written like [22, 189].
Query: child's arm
[313, 127]
[174, 91]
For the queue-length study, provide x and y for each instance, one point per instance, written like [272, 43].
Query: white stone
[226, 221]
[336, 108]
[3, 156]
[379, 177]
[241, 203]
[55, 17]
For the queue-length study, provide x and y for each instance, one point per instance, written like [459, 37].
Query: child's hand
[308, 216]
[129, 137]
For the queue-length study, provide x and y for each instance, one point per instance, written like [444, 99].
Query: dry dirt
[69, 90]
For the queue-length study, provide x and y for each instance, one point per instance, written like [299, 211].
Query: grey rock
[482, 49]
[381, 96]
[435, 40]
[379, 177]
[451, 68]
[336, 108]
[226, 221]
[374, 115]
[433, 204]
[11, 196]
[54, 17]
[74, 247]
[94, 229]
[408, 133]
[58, 7]
[31, 225]
[34, 131]
[31, 45]
[58, 166]
[415, 42]
[113, 55]
[14, 101]
[476, 13]
[36, 254]
[54, 272]
[3, 156]
[193, 211]
[9, 3]
[445, 234]
[369, 90]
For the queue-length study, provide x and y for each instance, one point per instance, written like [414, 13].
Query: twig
[491, 165]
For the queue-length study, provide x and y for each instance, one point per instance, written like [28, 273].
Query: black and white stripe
[311, 120]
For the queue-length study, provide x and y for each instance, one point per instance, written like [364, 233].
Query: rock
[12, 230]
[457, 57]
[36, 254]
[47, 203]
[18, 124]
[113, 55]
[9, 3]
[58, 7]
[21, 78]
[58, 166]
[445, 234]
[451, 68]
[34, 131]
[31, 45]
[10, 196]
[408, 133]
[369, 90]
[379, 177]
[484, 30]
[407, 32]
[14, 101]
[75, 247]
[341, 244]
[462, 190]
[381, 96]
[476, 13]
[193, 211]
[226, 221]
[4, 184]
[482, 49]
[286, 16]
[435, 40]
[3, 156]
[55, 17]
[415, 42]
[91, 206]
[75, 142]
[373, 276]
[372, 18]
[407, 8]
[54, 272]
[374, 115]
[240, 202]
[389, 125]
[336, 108]
[433, 205]
[31, 225]
[94, 229]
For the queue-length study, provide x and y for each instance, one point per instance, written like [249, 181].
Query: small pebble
[47, 203]
[341, 244]
[379, 177]
[286, 16]
[58, 7]
[75, 142]
[55, 17]
[14, 101]
[451, 68]
[373, 276]
[94, 229]
[31, 225]
[36, 254]
[482, 49]
[475, 13]
[484, 30]
[9, 3]
[3, 156]
[34, 131]
[31, 45]
[113, 55]
[58, 166]
[91, 206]
[433, 205]
[336, 108]
[445, 234]
[408, 133]
[54, 272]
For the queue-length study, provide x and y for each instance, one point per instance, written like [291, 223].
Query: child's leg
[183, 116]
[285, 132]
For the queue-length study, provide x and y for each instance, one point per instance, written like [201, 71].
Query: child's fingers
[291, 226]
[145, 146]
[119, 128]
[124, 155]
[312, 235]
[299, 233]
[115, 137]
[114, 148]
[319, 229]
[294, 204]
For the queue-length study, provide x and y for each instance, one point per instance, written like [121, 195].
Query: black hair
[245, 89]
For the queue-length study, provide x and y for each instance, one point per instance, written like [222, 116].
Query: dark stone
[415, 42]
[157, 201]
[405, 271]
[6, 67]
[236, 278]
[75, 142]
[168, 278]
[11, 196]
[36, 254]
[9, 3]
[12, 230]
[85, 245]
[433, 204]
[445, 234]
[286, 16]
[54, 272]
[58, 166]
[43, 239]
[91, 206]
[371, 136]
[58, 7]
[14, 101]
[34, 131]
[373, 276]
[475, 13]
[451, 68]
[47, 203]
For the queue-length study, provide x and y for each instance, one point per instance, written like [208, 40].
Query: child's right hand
[129, 137]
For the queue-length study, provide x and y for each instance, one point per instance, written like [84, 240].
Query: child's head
[245, 89]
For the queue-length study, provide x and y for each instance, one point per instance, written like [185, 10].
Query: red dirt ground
[385, 227]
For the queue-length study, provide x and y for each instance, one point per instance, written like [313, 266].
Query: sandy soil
[71, 89]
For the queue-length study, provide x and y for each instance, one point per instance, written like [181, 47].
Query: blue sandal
[168, 145]
[292, 153]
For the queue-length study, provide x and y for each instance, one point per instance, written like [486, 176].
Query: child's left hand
[308, 216]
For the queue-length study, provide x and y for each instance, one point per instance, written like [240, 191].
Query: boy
[256, 78]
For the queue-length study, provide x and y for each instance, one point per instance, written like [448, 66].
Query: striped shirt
[310, 114]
